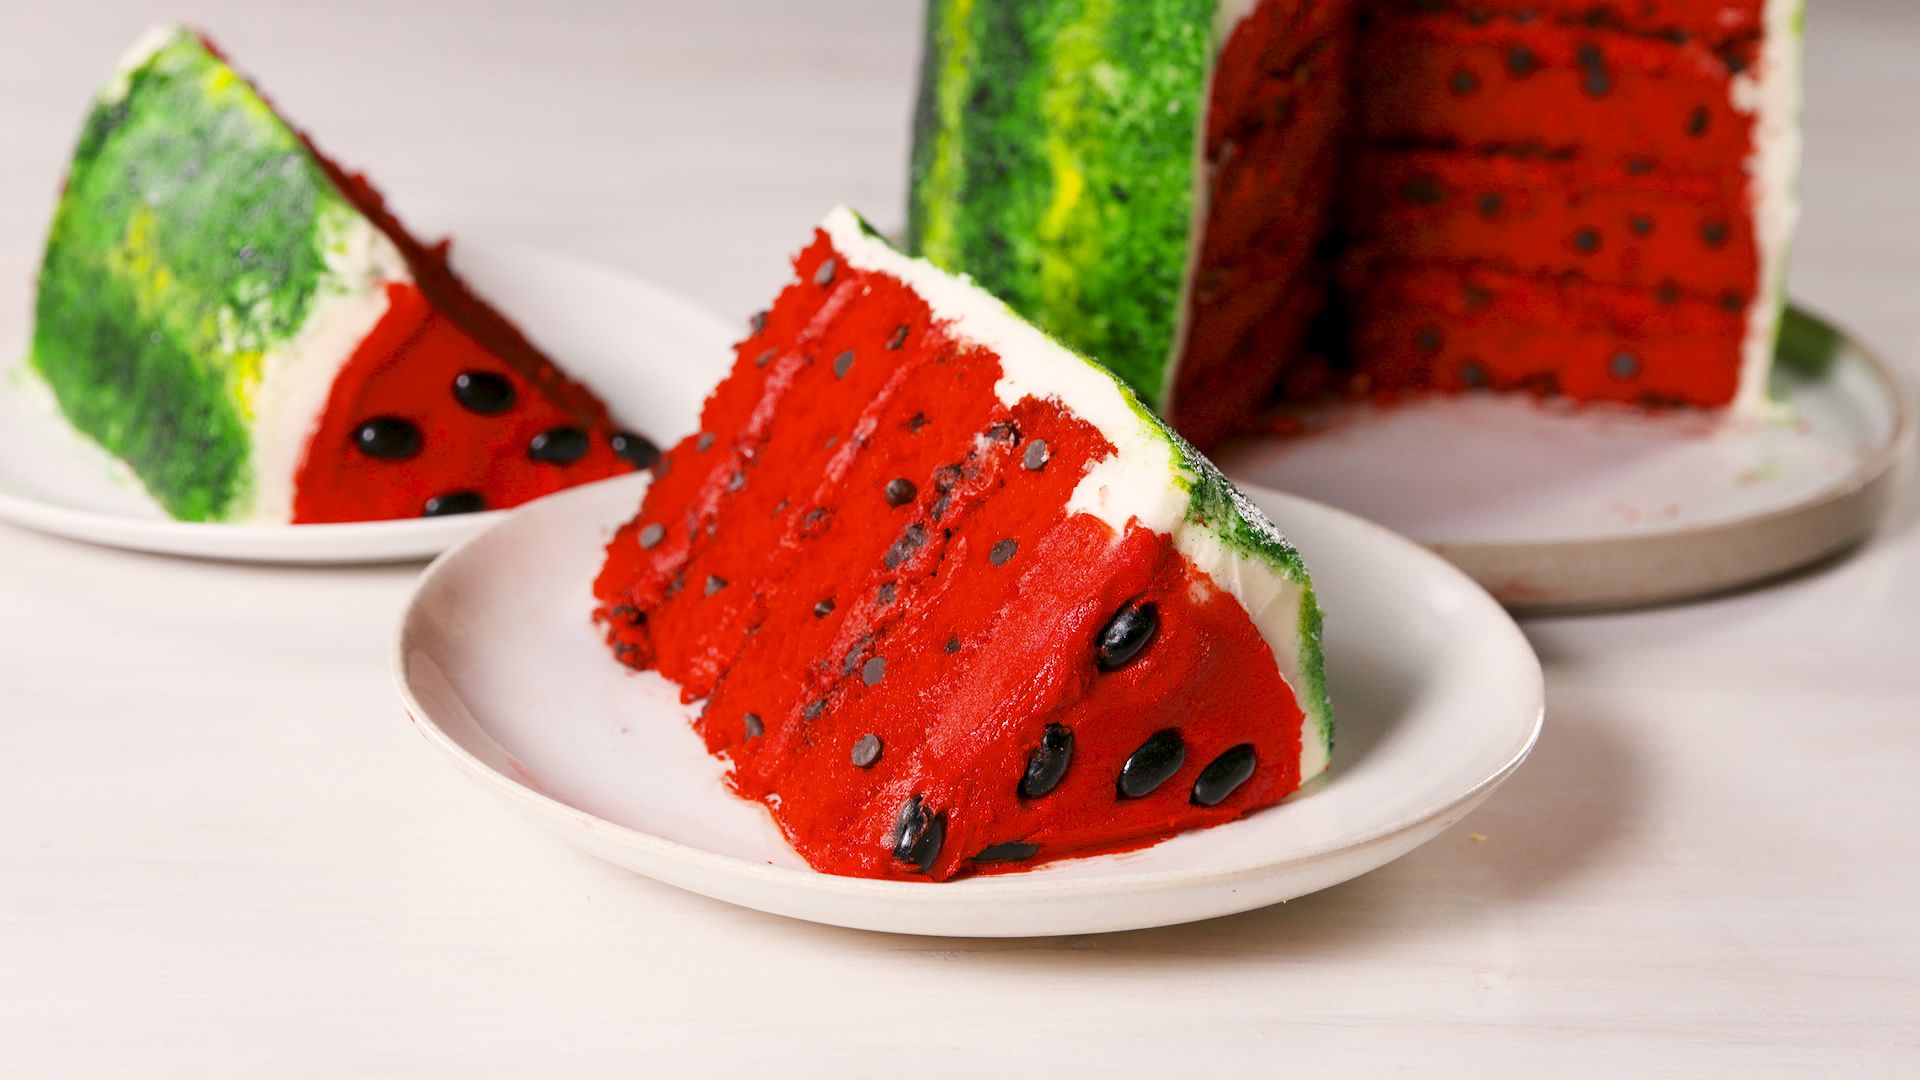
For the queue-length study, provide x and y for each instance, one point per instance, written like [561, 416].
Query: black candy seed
[1464, 82]
[1666, 292]
[558, 446]
[388, 438]
[916, 422]
[1036, 456]
[637, 449]
[1697, 121]
[1002, 551]
[1586, 241]
[1223, 776]
[454, 502]
[843, 364]
[866, 751]
[1423, 191]
[900, 491]
[918, 835]
[1594, 79]
[873, 670]
[1153, 764]
[824, 275]
[953, 645]
[1491, 204]
[1047, 765]
[823, 609]
[651, 535]
[1427, 340]
[1731, 300]
[899, 337]
[1129, 631]
[1624, 365]
[485, 392]
[1641, 225]
[1713, 233]
[754, 727]
[1521, 62]
[1472, 374]
[1011, 851]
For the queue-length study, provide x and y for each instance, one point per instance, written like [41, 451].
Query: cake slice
[250, 330]
[952, 598]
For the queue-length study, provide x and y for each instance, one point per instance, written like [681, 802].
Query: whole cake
[952, 598]
[1221, 199]
[250, 330]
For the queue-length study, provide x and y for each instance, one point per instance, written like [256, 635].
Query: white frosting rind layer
[1146, 479]
[1770, 92]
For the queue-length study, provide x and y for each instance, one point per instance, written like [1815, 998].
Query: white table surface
[223, 852]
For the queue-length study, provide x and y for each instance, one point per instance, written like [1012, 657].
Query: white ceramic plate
[651, 355]
[1564, 508]
[1437, 698]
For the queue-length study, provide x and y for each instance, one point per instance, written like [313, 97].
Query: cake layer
[1452, 328]
[1605, 224]
[1605, 98]
[886, 564]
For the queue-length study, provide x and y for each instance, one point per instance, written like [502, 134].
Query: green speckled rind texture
[1052, 163]
[187, 243]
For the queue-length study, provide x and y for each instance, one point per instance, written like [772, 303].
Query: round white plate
[651, 355]
[1562, 507]
[1437, 698]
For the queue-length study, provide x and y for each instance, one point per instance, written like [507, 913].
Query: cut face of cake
[250, 330]
[952, 598]
[1225, 198]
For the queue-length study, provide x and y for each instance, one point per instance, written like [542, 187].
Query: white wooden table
[224, 853]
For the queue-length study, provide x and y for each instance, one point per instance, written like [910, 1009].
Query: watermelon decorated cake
[1225, 199]
[953, 600]
[250, 330]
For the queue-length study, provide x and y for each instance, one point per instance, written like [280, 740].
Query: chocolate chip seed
[764, 358]
[953, 645]
[1223, 776]
[899, 338]
[918, 835]
[388, 438]
[824, 275]
[636, 449]
[1641, 225]
[1521, 62]
[757, 322]
[900, 491]
[814, 709]
[1472, 374]
[485, 392]
[1047, 765]
[866, 751]
[1624, 365]
[558, 446]
[1464, 82]
[715, 583]
[1428, 340]
[1130, 630]
[1002, 551]
[651, 535]
[1011, 851]
[454, 502]
[823, 609]
[704, 443]
[737, 481]
[874, 670]
[1036, 456]
[912, 538]
[754, 727]
[1697, 122]
[843, 364]
[1586, 241]
[1153, 764]
[1713, 233]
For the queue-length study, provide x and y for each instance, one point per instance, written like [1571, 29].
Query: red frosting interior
[863, 541]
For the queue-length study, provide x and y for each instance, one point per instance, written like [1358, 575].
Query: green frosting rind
[188, 242]
[1040, 165]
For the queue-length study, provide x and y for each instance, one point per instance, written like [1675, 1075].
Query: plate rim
[386, 540]
[551, 811]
